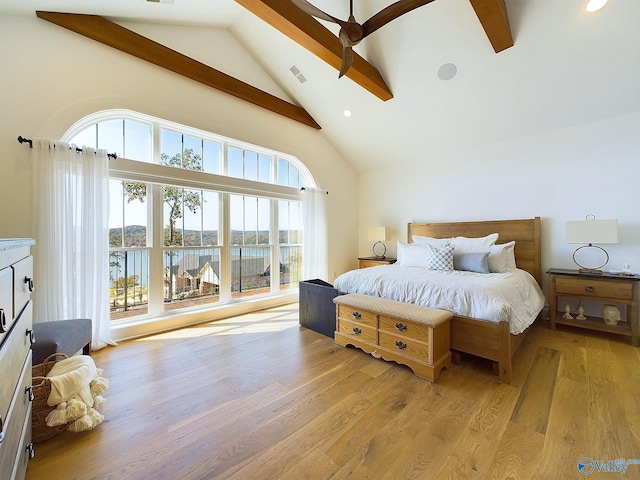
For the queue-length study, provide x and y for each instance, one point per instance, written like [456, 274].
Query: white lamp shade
[592, 231]
[377, 234]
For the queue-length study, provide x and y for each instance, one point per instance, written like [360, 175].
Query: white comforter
[513, 297]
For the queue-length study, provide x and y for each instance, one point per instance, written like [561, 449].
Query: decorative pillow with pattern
[440, 258]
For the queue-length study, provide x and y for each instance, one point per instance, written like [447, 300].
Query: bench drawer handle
[29, 282]
[589, 289]
[31, 335]
[357, 315]
[3, 321]
[401, 345]
[29, 392]
[31, 451]
[357, 331]
[401, 326]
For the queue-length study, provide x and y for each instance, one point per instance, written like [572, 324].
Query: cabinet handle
[590, 289]
[29, 282]
[401, 345]
[357, 315]
[357, 331]
[401, 326]
[3, 321]
[29, 391]
[31, 451]
[1, 432]
[31, 335]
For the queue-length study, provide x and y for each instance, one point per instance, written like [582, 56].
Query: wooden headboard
[525, 232]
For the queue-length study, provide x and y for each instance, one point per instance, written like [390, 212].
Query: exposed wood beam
[495, 21]
[315, 37]
[120, 38]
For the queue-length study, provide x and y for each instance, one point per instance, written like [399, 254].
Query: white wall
[51, 77]
[558, 175]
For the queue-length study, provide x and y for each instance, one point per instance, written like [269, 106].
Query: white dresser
[16, 337]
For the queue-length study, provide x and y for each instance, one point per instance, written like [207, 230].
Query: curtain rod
[302, 189]
[21, 139]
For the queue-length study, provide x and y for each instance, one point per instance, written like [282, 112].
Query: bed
[494, 336]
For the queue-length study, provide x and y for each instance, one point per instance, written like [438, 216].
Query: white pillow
[412, 255]
[476, 243]
[437, 242]
[440, 258]
[501, 257]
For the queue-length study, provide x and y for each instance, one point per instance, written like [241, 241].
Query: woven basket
[41, 387]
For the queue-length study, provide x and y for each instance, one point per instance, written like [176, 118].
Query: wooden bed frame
[486, 339]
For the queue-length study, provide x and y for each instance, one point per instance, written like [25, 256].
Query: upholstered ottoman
[62, 336]
[411, 335]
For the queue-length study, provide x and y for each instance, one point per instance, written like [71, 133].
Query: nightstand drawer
[588, 287]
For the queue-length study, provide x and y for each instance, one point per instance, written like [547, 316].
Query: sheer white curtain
[314, 224]
[70, 217]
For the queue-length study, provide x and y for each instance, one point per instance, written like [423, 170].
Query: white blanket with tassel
[76, 391]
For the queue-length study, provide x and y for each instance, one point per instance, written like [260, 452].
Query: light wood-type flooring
[259, 397]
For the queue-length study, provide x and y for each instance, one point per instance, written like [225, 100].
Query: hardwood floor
[259, 397]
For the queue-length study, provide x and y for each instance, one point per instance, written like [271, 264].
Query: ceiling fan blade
[389, 13]
[347, 60]
[316, 12]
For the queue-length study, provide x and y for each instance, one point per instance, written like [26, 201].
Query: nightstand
[606, 288]
[364, 262]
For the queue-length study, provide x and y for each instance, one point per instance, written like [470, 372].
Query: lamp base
[590, 271]
[376, 254]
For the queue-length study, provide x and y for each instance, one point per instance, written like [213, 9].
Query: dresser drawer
[588, 287]
[22, 283]
[405, 346]
[396, 326]
[15, 349]
[14, 422]
[363, 333]
[362, 317]
[6, 301]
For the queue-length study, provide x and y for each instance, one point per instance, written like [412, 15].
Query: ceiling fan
[351, 32]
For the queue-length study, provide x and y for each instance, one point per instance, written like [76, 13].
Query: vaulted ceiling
[566, 67]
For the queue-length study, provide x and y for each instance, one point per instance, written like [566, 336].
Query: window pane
[290, 266]
[116, 213]
[86, 137]
[210, 218]
[235, 162]
[264, 220]
[212, 157]
[294, 177]
[135, 214]
[129, 277]
[264, 168]
[250, 220]
[236, 214]
[250, 165]
[191, 277]
[192, 154]
[192, 214]
[170, 146]
[283, 221]
[111, 136]
[173, 208]
[250, 271]
[137, 141]
[283, 172]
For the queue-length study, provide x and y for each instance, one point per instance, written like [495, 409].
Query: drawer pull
[401, 345]
[31, 335]
[3, 321]
[357, 315]
[29, 391]
[29, 282]
[357, 331]
[589, 289]
[31, 451]
[401, 326]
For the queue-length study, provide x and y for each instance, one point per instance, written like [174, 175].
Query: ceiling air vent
[297, 73]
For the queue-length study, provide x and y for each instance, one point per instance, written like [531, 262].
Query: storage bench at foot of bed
[411, 335]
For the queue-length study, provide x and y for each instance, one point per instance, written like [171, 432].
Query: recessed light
[447, 71]
[594, 5]
[347, 113]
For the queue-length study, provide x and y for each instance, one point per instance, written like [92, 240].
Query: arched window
[196, 219]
